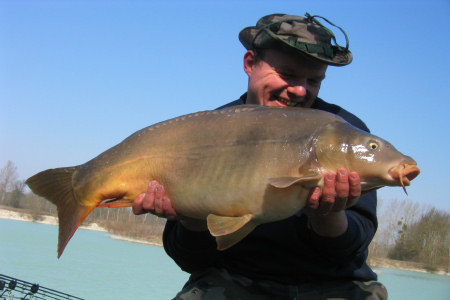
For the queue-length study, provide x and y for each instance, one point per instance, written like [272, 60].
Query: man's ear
[249, 62]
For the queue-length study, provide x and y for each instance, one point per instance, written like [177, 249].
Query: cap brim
[340, 58]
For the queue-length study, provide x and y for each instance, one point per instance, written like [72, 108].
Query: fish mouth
[404, 173]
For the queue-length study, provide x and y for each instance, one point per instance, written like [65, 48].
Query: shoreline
[387, 263]
[50, 220]
[374, 263]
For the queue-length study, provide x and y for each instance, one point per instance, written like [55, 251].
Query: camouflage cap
[305, 35]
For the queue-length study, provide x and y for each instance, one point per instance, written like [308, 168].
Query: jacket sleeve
[190, 250]
[362, 225]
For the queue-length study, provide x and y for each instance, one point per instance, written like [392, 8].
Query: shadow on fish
[236, 168]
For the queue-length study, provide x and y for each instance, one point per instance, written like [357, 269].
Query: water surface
[94, 266]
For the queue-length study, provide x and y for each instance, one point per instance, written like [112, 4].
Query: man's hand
[326, 206]
[340, 191]
[155, 202]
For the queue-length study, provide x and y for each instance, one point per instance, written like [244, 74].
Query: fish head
[376, 161]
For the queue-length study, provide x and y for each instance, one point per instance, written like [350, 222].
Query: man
[320, 252]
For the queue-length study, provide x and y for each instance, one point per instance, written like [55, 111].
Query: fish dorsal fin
[284, 182]
[223, 225]
[229, 230]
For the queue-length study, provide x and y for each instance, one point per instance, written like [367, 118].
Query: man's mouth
[286, 102]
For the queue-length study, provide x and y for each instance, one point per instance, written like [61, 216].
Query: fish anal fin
[284, 182]
[223, 225]
[115, 203]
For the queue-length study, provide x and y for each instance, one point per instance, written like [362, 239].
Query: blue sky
[77, 77]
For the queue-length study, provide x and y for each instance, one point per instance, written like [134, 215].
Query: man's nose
[298, 90]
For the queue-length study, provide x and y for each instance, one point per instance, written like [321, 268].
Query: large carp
[236, 168]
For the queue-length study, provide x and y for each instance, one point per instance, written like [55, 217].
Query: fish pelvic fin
[229, 230]
[56, 186]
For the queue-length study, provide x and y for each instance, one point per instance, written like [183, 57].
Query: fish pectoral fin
[223, 225]
[284, 182]
[229, 230]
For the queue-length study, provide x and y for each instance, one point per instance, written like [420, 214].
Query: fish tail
[56, 186]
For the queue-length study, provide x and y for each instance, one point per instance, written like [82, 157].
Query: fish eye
[373, 145]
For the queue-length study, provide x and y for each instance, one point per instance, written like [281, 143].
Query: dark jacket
[286, 251]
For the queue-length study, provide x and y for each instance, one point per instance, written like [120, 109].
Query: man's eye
[314, 81]
[286, 75]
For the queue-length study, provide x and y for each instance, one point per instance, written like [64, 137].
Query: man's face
[282, 79]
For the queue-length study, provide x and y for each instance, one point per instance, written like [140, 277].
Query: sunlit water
[94, 266]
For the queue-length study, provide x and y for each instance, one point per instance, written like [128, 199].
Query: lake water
[95, 266]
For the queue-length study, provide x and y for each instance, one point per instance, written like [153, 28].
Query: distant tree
[402, 249]
[432, 234]
[426, 241]
[393, 215]
[15, 196]
[8, 179]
